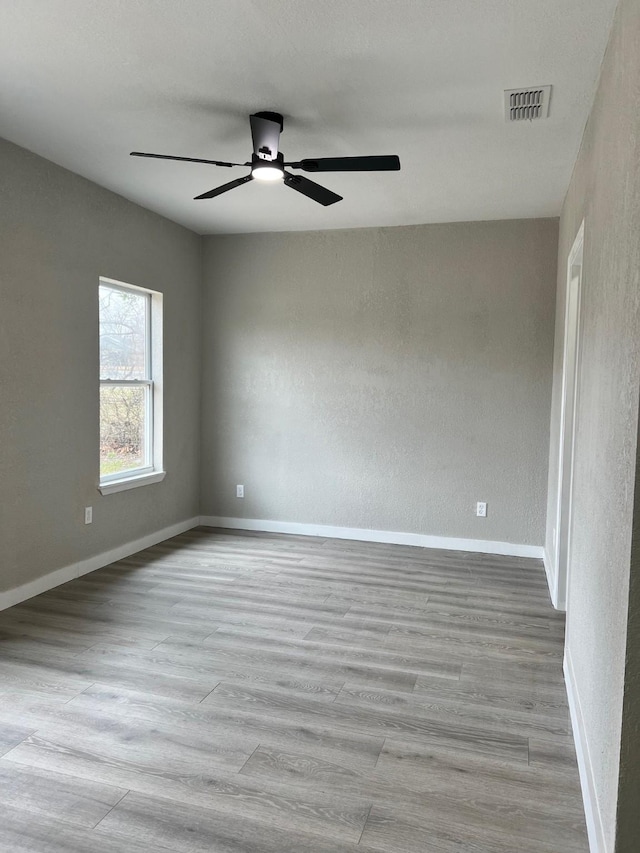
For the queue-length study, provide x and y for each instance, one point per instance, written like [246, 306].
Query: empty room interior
[319, 397]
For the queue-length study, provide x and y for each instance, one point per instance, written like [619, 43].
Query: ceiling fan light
[267, 173]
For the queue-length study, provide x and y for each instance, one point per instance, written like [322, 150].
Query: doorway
[570, 368]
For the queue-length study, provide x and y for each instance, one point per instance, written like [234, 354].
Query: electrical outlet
[481, 509]
[88, 514]
[239, 491]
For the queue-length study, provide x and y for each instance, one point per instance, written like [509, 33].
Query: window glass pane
[123, 321]
[123, 415]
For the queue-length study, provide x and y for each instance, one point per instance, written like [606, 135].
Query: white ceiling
[83, 82]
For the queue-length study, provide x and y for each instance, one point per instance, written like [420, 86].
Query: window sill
[113, 486]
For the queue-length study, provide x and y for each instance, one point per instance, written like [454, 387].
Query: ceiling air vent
[527, 104]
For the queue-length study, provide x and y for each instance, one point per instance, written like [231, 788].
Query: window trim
[125, 483]
[153, 470]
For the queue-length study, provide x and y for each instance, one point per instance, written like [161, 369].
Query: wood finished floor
[253, 693]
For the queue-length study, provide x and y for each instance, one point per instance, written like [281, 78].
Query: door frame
[572, 346]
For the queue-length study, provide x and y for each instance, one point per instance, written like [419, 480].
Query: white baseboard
[359, 534]
[549, 571]
[83, 567]
[595, 828]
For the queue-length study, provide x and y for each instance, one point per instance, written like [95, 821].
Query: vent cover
[527, 104]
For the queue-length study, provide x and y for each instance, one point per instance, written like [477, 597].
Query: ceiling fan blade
[186, 159]
[389, 163]
[265, 133]
[312, 190]
[225, 187]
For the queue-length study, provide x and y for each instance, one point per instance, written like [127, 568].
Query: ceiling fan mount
[267, 163]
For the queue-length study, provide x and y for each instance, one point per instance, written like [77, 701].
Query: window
[130, 380]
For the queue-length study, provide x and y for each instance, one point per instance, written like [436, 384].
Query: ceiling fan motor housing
[278, 161]
[265, 152]
[272, 117]
[267, 169]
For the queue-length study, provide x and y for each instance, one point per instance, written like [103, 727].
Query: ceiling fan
[267, 163]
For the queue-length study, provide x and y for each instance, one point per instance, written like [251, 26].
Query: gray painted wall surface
[381, 378]
[605, 191]
[58, 233]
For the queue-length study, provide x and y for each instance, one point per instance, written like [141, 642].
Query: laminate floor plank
[175, 826]
[22, 673]
[434, 706]
[456, 735]
[494, 620]
[188, 774]
[11, 735]
[296, 597]
[107, 619]
[436, 769]
[174, 660]
[40, 639]
[247, 692]
[128, 748]
[460, 646]
[79, 672]
[406, 774]
[355, 749]
[393, 831]
[534, 675]
[551, 703]
[478, 641]
[20, 833]
[480, 816]
[87, 632]
[555, 755]
[30, 708]
[225, 637]
[43, 792]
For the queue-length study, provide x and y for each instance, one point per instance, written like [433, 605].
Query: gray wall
[605, 191]
[381, 378]
[58, 233]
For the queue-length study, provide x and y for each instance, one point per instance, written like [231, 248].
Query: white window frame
[152, 471]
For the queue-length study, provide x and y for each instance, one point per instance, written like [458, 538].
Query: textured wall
[605, 191]
[58, 233]
[382, 378]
